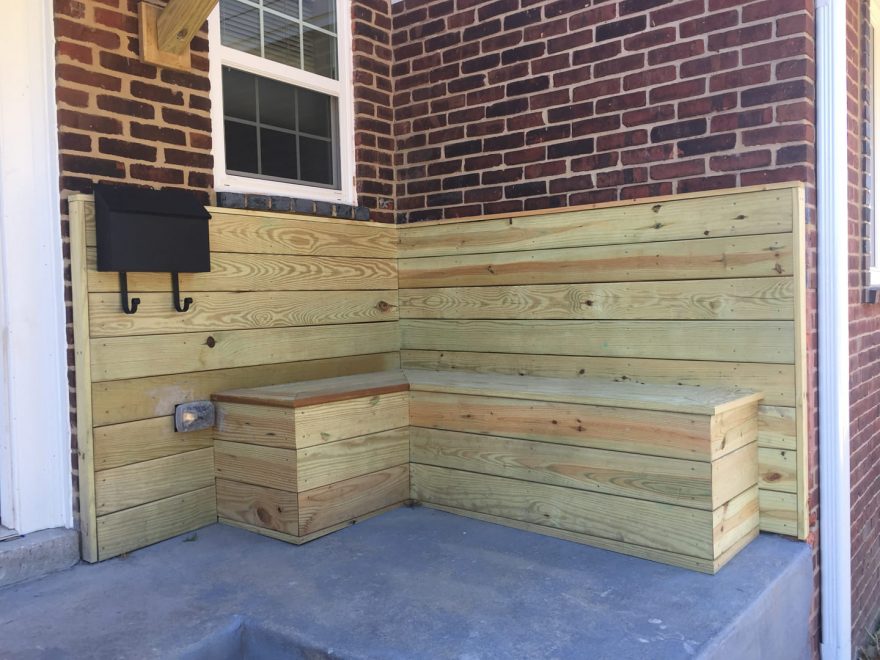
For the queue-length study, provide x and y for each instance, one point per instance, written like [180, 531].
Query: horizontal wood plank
[281, 233]
[330, 462]
[144, 525]
[316, 425]
[733, 341]
[257, 505]
[258, 425]
[259, 272]
[140, 483]
[663, 526]
[778, 469]
[271, 467]
[760, 212]
[132, 442]
[779, 512]
[116, 358]
[330, 505]
[674, 481]
[730, 299]
[776, 381]
[133, 399]
[713, 258]
[216, 311]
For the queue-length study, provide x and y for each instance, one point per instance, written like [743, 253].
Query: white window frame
[873, 229]
[341, 89]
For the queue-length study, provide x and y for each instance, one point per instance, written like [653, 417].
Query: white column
[35, 475]
[833, 328]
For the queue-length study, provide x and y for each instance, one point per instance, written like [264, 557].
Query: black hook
[123, 291]
[175, 287]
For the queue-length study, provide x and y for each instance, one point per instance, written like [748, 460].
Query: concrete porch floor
[412, 583]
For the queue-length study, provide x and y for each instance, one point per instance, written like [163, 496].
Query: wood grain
[140, 483]
[214, 311]
[734, 341]
[257, 505]
[258, 425]
[747, 256]
[116, 358]
[316, 425]
[254, 464]
[132, 442]
[758, 212]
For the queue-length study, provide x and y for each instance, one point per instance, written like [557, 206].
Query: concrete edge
[38, 554]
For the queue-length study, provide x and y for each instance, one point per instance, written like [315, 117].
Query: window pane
[281, 39]
[241, 147]
[321, 13]
[289, 7]
[239, 95]
[314, 113]
[277, 104]
[319, 53]
[278, 153]
[316, 160]
[240, 26]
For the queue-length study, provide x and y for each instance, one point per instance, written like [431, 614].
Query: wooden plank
[116, 358]
[673, 435]
[140, 483]
[802, 466]
[216, 311]
[674, 481]
[776, 381]
[179, 22]
[638, 522]
[144, 525]
[589, 391]
[140, 398]
[132, 442]
[257, 505]
[733, 341]
[148, 18]
[778, 469]
[83, 367]
[328, 463]
[254, 464]
[757, 298]
[260, 272]
[330, 505]
[760, 212]
[738, 518]
[264, 232]
[711, 258]
[779, 512]
[259, 425]
[734, 473]
[777, 427]
[348, 419]
[317, 392]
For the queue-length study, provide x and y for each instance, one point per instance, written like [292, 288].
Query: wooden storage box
[668, 473]
[299, 461]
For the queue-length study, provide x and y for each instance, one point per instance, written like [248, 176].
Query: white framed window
[281, 98]
[873, 265]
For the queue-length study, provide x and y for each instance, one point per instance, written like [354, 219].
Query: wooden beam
[180, 21]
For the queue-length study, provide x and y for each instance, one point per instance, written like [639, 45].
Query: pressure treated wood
[320, 424]
[323, 465]
[132, 442]
[747, 256]
[734, 299]
[179, 22]
[264, 507]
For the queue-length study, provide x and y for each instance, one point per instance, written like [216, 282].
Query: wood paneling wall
[703, 289]
[288, 298]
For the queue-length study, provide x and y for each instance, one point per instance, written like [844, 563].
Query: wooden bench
[663, 472]
[299, 461]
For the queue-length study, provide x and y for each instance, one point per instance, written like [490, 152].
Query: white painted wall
[35, 475]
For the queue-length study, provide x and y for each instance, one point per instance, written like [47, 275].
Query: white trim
[342, 89]
[873, 280]
[35, 433]
[833, 329]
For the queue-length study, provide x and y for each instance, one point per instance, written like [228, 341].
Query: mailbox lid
[142, 230]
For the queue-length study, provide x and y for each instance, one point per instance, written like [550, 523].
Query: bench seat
[663, 472]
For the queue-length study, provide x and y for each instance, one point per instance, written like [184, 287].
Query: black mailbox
[142, 230]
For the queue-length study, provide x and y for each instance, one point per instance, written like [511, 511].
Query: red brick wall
[864, 343]
[374, 140]
[508, 105]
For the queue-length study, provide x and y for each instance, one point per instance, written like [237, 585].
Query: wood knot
[211, 342]
[383, 306]
[772, 476]
[656, 208]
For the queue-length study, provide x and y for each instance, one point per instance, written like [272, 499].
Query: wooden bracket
[166, 33]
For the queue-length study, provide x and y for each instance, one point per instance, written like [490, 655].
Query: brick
[123, 106]
[574, 183]
[619, 65]
[74, 142]
[156, 93]
[615, 29]
[677, 90]
[621, 139]
[188, 119]
[89, 122]
[740, 36]
[504, 108]
[127, 149]
[527, 155]
[76, 52]
[528, 85]
[708, 23]
[707, 145]
[127, 65]
[783, 91]
[528, 189]
[157, 133]
[102, 167]
[677, 130]
[77, 31]
[73, 97]
[75, 74]
[740, 161]
[188, 158]
[755, 75]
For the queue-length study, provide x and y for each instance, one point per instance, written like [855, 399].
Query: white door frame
[35, 473]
